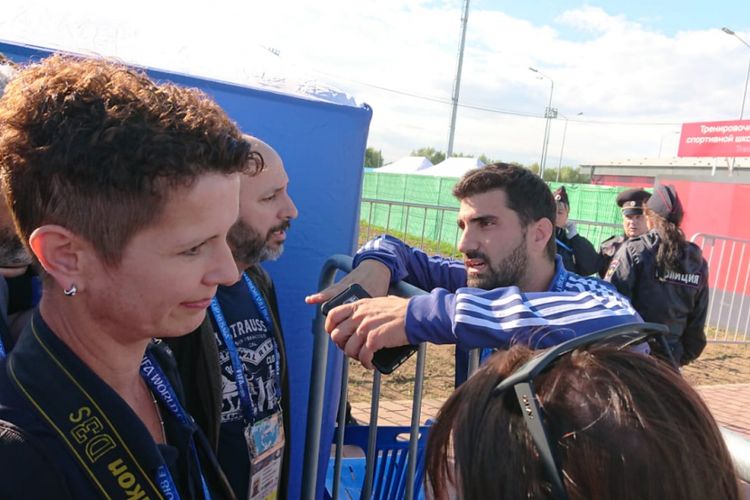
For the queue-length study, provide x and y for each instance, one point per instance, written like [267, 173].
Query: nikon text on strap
[80, 423]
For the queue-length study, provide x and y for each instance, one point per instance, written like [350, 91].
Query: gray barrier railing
[433, 228]
[317, 396]
[728, 314]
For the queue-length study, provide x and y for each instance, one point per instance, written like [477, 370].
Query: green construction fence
[423, 207]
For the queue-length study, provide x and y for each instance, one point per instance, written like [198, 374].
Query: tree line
[568, 174]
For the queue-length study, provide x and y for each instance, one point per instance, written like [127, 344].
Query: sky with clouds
[635, 70]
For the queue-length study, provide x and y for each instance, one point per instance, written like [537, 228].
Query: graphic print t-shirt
[256, 348]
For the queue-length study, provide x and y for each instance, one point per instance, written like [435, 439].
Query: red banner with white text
[723, 139]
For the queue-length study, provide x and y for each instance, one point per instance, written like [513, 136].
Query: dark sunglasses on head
[623, 336]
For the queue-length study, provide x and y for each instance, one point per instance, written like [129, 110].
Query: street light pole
[562, 146]
[744, 94]
[549, 113]
[747, 79]
[457, 83]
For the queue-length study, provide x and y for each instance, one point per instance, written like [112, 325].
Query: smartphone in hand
[386, 360]
[352, 294]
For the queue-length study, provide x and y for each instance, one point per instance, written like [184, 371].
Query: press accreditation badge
[265, 445]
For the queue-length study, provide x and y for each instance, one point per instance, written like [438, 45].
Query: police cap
[666, 203]
[632, 201]
[561, 196]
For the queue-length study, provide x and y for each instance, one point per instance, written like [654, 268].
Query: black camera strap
[79, 421]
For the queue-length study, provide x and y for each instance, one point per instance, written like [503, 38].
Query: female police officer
[665, 276]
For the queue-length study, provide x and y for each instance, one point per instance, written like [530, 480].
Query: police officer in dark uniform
[665, 276]
[578, 254]
[631, 203]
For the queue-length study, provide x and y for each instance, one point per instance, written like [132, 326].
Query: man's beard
[12, 251]
[508, 272]
[249, 247]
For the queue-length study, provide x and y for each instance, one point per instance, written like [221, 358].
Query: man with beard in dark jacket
[665, 276]
[234, 368]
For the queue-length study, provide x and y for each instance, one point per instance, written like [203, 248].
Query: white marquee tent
[406, 165]
[452, 167]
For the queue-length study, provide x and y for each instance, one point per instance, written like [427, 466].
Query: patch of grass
[428, 246]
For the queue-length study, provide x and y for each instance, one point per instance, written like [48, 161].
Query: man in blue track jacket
[511, 287]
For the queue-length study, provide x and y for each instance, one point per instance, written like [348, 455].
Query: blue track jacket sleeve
[413, 265]
[501, 317]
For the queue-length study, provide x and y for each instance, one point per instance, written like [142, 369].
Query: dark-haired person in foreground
[241, 344]
[665, 276]
[621, 426]
[124, 190]
[511, 286]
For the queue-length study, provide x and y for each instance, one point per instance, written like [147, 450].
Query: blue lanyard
[159, 384]
[246, 402]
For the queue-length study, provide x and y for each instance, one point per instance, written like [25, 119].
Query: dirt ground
[719, 364]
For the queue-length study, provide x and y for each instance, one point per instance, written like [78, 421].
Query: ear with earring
[70, 292]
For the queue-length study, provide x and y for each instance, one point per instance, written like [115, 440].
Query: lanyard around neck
[243, 387]
[162, 389]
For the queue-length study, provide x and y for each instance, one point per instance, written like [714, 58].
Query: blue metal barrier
[311, 475]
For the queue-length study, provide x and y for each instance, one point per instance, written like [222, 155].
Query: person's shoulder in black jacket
[27, 451]
[578, 254]
[607, 251]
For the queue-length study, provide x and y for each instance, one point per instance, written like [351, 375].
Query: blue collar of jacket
[560, 277]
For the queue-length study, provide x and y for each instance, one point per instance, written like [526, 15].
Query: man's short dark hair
[98, 147]
[528, 195]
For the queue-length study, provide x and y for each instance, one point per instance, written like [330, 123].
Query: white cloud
[593, 19]
[613, 69]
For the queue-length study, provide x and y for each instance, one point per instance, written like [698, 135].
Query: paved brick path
[728, 403]
[395, 412]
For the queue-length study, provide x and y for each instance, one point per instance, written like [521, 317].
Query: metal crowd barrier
[428, 226]
[317, 395]
[729, 287]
